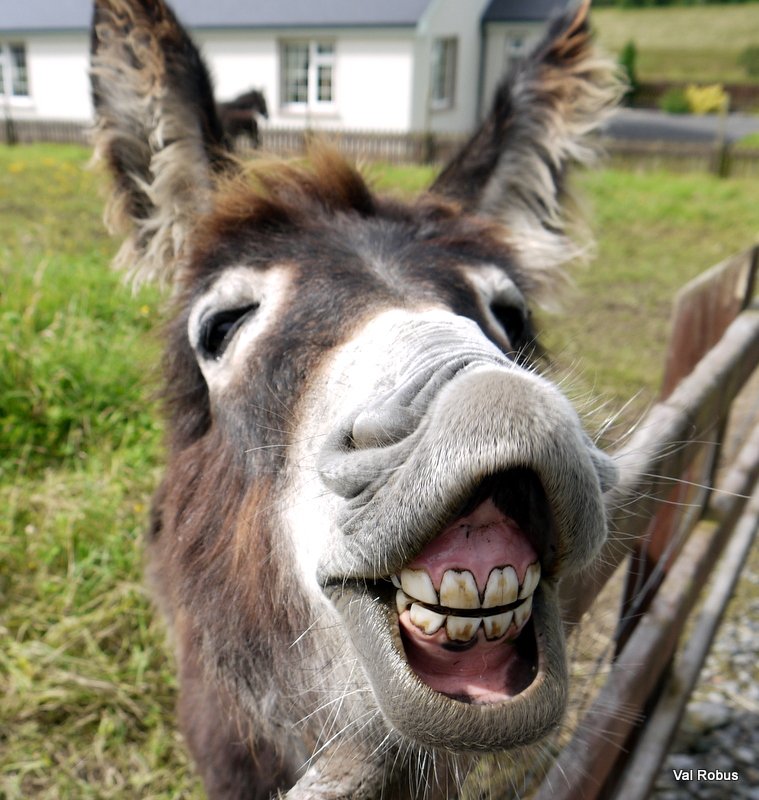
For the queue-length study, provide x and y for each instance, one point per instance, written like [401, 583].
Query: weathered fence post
[722, 159]
[713, 353]
[702, 312]
[428, 148]
[10, 130]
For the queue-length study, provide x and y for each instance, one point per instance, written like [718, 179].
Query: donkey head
[371, 492]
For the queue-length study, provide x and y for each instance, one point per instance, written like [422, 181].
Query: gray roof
[521, 10]
[51, 15]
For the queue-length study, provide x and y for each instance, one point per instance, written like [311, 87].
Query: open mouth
[465, 601]
[464, 604]
[471, 620]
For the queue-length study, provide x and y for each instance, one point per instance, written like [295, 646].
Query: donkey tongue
[481, 672]
[478, 542]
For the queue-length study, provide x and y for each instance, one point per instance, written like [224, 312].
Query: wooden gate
[681, 521]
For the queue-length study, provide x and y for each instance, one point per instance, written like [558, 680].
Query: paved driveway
[633, 123]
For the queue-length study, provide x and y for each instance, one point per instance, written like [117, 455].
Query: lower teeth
[463, 629]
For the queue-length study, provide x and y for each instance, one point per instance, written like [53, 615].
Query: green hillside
[683, 43]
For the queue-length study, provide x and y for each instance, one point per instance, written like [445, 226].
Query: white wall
[374, 75]
[443, 19]
[239, 61]
[59, 85]
[372, 80]
[497, 36]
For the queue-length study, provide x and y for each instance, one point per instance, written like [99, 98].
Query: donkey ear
[514, 166]
[156, 128]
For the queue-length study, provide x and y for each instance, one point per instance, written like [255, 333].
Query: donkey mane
[269, 196]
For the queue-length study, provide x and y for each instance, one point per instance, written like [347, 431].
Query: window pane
[324, 87]
[515, 51]
[19, 77]
[308, 72]
[443, 79]
[295, 73]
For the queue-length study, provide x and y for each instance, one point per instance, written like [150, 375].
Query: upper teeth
[502, 587]
[530, 582]
[418, 584]
[458, 590]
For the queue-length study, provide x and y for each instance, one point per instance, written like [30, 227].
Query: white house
[394, 65]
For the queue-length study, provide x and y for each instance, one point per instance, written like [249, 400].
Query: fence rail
[427, 148]
[393, 148]
[675, 537]
[28, 131]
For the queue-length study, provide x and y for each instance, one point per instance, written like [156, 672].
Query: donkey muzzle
[461, 487]
[457, 413]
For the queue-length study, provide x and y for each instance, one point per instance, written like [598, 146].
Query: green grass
[655, 231]
[86, 687]
[750, 142]
[86, 681]
[693, 43]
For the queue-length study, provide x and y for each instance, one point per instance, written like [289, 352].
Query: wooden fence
[27, 131]
[673, 515]
[392, 148]
[720, 159]
[426, 148]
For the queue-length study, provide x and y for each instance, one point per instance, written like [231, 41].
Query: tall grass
[86, 687]
[86, 681]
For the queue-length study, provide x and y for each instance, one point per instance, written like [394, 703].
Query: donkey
[371, 492]
[238, 116]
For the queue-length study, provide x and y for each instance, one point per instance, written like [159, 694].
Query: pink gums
[483, 671]
[478, 542]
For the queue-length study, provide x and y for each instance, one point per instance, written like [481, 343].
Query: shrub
[749, 60]
[627, 62]
[674, 101]
[707, 99]
[695, 99]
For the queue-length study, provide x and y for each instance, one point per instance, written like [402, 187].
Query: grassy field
[692, 43]
[86, 681]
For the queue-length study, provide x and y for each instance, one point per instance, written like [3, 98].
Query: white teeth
[458, 589]
[497, 624]
[462, 629]
[426, 620]
[418, 584]
[522, 613]
[531, 579]
[402, 601]
[502, 587]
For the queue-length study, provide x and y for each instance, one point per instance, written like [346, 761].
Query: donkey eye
[217, 330]
[513, 322]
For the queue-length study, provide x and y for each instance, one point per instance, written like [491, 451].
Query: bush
[695, 99]
[674, 101]
[707, 99]
[749, 60]
[627, 61]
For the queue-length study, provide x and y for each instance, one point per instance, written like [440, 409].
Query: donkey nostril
[381, 426]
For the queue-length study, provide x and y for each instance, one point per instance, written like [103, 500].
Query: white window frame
[443, 69]
[9, 72]
[316, 61]
[515, 50]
